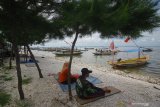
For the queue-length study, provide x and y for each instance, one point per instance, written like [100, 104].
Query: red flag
[127, 39]
[112, 45]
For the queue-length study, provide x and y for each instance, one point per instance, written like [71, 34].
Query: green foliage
[27, 21]
[27, 80]
[108, 17]
[130, 17]
[4, 98]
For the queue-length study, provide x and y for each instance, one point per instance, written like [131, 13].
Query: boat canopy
[133, 50]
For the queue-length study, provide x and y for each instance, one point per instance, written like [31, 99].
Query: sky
[148, 39]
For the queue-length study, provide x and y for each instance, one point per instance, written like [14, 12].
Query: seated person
[118, 60]
[85, 89]
[63, 75]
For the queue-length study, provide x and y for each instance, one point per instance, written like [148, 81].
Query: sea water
[151, 69]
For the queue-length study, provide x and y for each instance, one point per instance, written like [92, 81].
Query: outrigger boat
[67, 53]
[147, 50]
[133, 62]
[105, 52]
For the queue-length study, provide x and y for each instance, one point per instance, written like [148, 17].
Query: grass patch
[7, 67]
[5, 70]
[6, 73]
[4, 98]
[8, 78]
[5, 78]
[27, 80]
[23, 103]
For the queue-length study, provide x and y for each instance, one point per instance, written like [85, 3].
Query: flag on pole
[112, 45]
[127, 39]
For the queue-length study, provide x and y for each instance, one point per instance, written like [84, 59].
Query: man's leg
[98, 93]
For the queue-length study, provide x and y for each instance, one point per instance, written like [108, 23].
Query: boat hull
[67, 54]
[109, 53]
[130, 63]
[105, 53]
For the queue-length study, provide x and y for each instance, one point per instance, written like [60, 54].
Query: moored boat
[133, 62]
[147, 50]
[67, 53]
[104, 52]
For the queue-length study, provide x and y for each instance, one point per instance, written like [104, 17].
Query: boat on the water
[67, 53]
[147, 50]
[104, 52]
[133, 62]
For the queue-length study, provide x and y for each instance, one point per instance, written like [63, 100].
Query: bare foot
[106, 90]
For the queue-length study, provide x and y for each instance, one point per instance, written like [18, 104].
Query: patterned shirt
[84, 88]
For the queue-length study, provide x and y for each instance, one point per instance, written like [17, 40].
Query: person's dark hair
[85, 71]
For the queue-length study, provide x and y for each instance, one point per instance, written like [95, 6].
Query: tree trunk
[10, 60]
[33, 58]
[20, 90]
[25, 54]
[70, 62]
[1, 58]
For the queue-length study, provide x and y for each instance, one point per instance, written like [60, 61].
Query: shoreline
[45, 92]
[146, 78]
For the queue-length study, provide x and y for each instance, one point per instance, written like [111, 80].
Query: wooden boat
[133, 62]
[105, 52]
[102, 53]
[147, 50]
[67, 53]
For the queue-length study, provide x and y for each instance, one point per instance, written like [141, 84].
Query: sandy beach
[45, 92]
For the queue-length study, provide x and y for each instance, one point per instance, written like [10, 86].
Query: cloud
[152, 38]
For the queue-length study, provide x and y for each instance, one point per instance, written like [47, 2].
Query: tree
[24, 22]
[130, 17]
[81, 17]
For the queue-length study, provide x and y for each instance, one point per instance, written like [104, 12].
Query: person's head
[85, 72]
[65, 65]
